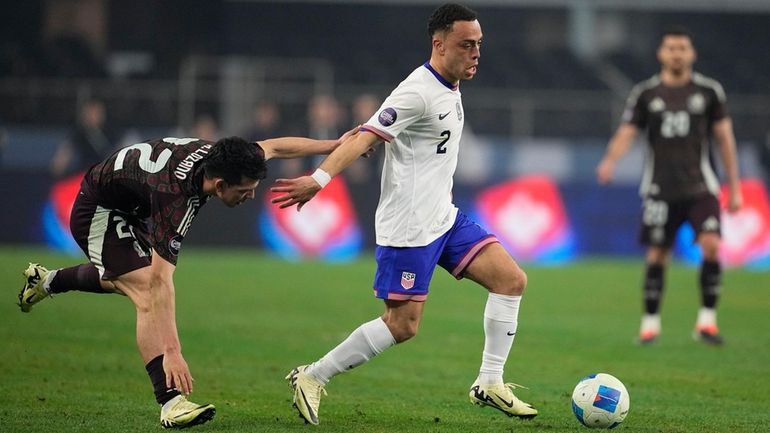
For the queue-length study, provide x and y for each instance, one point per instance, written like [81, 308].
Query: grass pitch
[245, 319]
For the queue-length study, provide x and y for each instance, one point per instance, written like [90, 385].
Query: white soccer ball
[600, 401]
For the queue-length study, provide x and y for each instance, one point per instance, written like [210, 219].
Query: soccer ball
[600, 401]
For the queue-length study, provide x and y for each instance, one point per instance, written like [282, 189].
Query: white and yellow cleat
[307, 393]
[500, 396]
[182, 413]
[33, 290]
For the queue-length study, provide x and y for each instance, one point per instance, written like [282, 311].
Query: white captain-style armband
[321, 177]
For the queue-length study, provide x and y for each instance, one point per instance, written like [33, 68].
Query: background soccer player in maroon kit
[681, 110]
[130, 218]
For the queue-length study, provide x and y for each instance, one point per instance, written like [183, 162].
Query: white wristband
[321, 177]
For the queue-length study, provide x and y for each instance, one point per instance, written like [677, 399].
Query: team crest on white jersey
[459, 109]
[407, 280]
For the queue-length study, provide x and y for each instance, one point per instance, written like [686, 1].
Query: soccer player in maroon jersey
[130, 218]
[681, 111]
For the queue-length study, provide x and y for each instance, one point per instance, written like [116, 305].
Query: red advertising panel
[527, 215]
[325, 227]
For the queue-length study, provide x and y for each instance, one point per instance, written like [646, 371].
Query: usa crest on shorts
[407, 280]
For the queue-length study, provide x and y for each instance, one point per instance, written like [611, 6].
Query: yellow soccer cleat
[500, 397]
[307, 393]
[181, 413]
[33, 291]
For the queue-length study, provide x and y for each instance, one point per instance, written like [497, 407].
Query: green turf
[245, 319]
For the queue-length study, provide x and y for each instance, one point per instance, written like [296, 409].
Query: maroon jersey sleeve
[636, 108]
[172, 215]
[718, 109]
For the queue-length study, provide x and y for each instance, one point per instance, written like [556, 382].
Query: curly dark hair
[234, 158]
[442, 18]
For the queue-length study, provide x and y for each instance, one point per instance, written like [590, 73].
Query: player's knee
[709, 244]
[513, 285]
[519, 281]
[405, 333]
[711, 253]
[140, 295]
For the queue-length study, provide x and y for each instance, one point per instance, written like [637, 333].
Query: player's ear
[438, 43]
[220, 184]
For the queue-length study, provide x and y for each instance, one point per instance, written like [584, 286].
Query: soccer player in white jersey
[417, 226]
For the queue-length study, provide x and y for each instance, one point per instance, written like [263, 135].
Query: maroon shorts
[114, 241]
[661, 219]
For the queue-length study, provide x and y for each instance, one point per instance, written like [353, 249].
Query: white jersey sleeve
[399, 110]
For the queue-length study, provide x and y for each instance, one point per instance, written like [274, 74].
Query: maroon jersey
[159, 181]
[678, 121]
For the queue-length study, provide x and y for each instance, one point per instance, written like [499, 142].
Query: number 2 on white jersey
[440, 148]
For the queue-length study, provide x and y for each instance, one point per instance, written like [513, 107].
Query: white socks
[48, 279]
[367, 341]
[169, 404]
[706, 317]
[372, 338]
[501, 317]
[650, 324]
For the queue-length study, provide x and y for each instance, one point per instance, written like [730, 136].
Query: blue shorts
[404, 273]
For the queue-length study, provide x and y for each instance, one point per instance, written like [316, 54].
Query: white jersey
[421, 121]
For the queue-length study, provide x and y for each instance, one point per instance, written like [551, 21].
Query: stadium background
[552, 82]
[553, 78]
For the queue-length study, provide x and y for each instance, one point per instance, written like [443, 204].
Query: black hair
[234, 158]
[442, 18]
[676, 31]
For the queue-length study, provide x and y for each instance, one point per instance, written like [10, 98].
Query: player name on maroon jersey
[188, 163]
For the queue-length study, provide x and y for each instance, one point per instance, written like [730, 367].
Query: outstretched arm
[295, 147]
[300, 190]
[619, 144]
[723, 133]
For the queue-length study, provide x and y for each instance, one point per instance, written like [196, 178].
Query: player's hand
[736, 201]
[368, 152]
[604, 171]
[347, 135]
[298, 191]
[177, 373]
